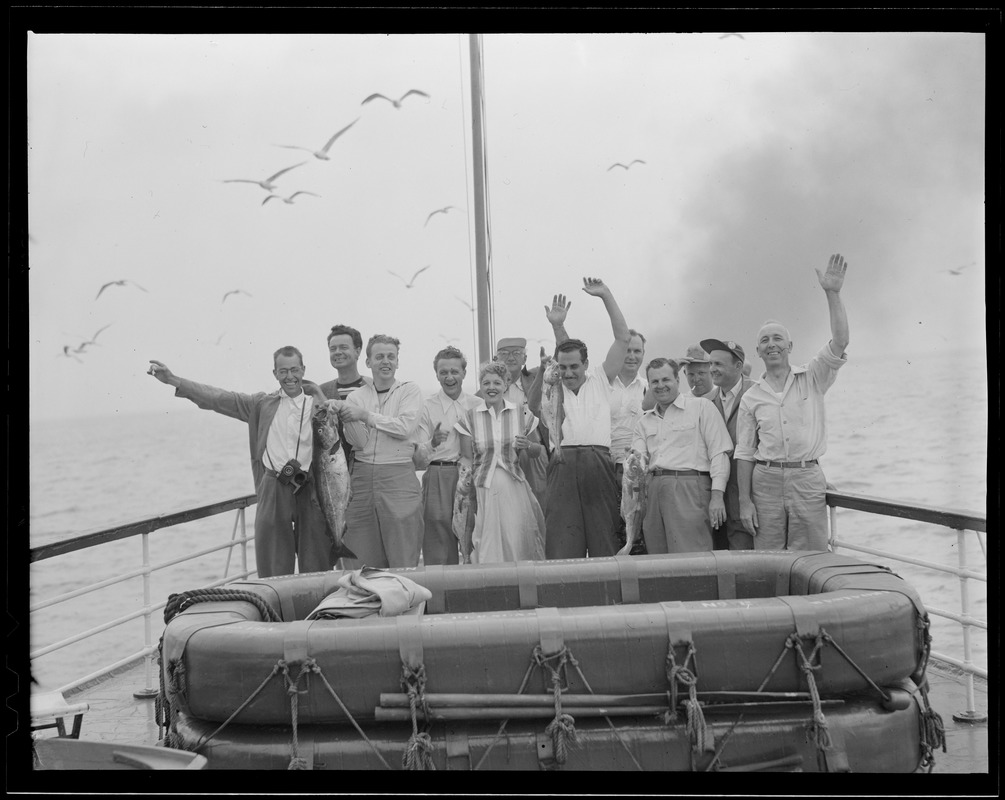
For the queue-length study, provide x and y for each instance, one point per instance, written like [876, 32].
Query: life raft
[740, 622]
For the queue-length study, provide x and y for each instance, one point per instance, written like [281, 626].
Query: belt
[787, 464]
[443, 463]
[678, 472]
[598, 447]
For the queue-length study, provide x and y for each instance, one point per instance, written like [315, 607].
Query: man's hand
[160, 372]
[352, 413]
[313, 390]
[520, 442]
[717, 510]
[748, 516]
[558, 310]
[596, 287]
[439, 436]
[833, 279]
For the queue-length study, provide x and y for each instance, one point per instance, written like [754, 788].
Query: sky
[764, 153]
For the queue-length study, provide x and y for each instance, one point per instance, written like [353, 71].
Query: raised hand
[439, 436]
[160, 371]
[595, 286]
[833, 279]
[558, 310]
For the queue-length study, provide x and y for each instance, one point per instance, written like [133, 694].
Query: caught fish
[463, 521]
[553, 406]
[633, 498]
[331, 476]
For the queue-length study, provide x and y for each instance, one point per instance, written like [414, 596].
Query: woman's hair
[493, 368]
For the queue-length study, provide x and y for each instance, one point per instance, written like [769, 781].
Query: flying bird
[727, 35]
[958, 270]
[267, 184]
[443, 210]
[288, 200]
[323, 152]
[68, 352]
[625, 166]
[395, 103]
[233, 291]
[470, 308]
[411, 283]
[123, 282]
[220, 338]
[93, 340]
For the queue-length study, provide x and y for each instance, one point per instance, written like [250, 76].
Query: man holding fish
[582, 511]
[437, 451]
[290, 526]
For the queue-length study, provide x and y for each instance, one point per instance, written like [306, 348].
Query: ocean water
[910, 429]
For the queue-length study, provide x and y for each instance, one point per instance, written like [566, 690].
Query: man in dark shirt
[345, 344]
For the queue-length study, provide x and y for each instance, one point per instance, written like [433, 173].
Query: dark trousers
[289, 529]
[582, 513]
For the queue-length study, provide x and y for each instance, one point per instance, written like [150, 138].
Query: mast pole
[485, 347]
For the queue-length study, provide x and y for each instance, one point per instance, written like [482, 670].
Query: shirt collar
[446, 401]
[632, 382]
[507, 403]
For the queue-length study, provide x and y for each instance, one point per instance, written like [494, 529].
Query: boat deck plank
[115, 715]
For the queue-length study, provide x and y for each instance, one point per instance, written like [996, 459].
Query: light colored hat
[515, 341]
[695, 355]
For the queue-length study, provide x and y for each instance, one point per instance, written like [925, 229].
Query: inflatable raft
[651, 636]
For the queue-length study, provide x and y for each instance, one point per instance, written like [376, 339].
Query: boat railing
[962, 523]
[965, 524]
[143, 528]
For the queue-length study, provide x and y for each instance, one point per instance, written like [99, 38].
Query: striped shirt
[493, 438]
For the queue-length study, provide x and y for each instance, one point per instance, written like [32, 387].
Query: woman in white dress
[509, 524]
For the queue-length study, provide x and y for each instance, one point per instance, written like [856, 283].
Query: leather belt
[787, 464]
[598, 447]
[678, 472]
[443, 463]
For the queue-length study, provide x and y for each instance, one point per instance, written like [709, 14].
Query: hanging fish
[331, 476]
[463, 521]
[553, 406]
[634, 485]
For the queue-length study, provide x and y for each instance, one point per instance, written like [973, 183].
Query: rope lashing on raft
[816, 731]
[179, 602]
[293, 690]
[681, 676]
[562, 728]
[932, 729]
[418, 753]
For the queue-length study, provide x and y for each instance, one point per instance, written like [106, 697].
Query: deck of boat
[115, 715]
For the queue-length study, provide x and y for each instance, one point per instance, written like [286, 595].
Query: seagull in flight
[323, 152]
[958, 270]
[395, 103]
[119, 283]
[267, 184]
[625, 166]
[233, 291]
[93, 340]
[288, 200]
[411, 283]
[443, 210]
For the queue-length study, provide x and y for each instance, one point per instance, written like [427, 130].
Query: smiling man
[437, 451]
[384, 518]
[687, 448]
[581, 509]
[345, 345]
[289, 524]
[781, 432]
[698, 370]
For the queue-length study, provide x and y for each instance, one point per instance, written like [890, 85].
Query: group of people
[730, 462]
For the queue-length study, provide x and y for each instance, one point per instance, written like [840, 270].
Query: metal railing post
[833, 513]
[150, 690]
[971, 714]
[244, 543]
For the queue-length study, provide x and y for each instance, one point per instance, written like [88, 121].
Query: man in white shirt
[437, 451]
[582, 513]
[727, 360]
[384, 518]
[687, 448]
[697, 368]
[290, 527]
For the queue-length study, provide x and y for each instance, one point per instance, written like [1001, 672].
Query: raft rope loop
[538, 659]
[293, 690]
[932, 729]
[678, 676]
[418, 753]
[816, 730]
[562, 728]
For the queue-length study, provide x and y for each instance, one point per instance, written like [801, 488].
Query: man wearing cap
[698, 371]
[687, 447]
[582, 513]
[437, 451]
[726, 361]
[512, 351]
[781, 432]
